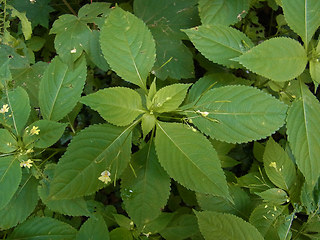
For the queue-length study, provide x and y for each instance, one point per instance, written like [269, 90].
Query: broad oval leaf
[241, 205]
[21, 204]
[238, 114]
[169, 98]
[128, 46]
[221, 226]
[50, 132]
[7, 142]
[303, 134]
[278, 166]
[274, 195]
[119, 106]
[10, 177]
[94, 150]
[220, 43]
[303, 16]
[264, 216]
[43, 228]
[61, 88]
[72, 36]
[165, 18]
[223, 12]
[146, 190]
[70, 207]
[190, 159]
[280, 59]
[18, 109]
[94, 228]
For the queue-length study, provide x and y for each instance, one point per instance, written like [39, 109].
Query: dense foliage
[149, 119]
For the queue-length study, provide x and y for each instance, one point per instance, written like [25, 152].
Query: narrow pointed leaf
[43, 228]
[119, 106]
[238, 114]
[94, 150]
[16, 211]
[61, 88]
[280, 59]
[279, 167]
[220, 43]
[128, 46]
[303, 133]
[222, 11]
[190, 159]
[10, 177]
[145, 194]
[303, 16]
[222, 226]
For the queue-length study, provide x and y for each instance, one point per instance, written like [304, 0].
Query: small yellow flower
[4, 108]
[204, 114]
[105, 177]
[273, 164]
[27, 163]
[34, 131]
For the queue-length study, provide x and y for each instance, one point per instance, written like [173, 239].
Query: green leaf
[61, 88]
[120, 233]
[94, 52]
[274, 195]
[181, 227]
[190, 159]
[94, 228]
[222, 226]
[279, 167]
[43, 228]
[10, 177]
[72, 36]
[174, 59]
[26, 25]
[37, 12]
[169, 98]
[5, 74]
[50, 132]
[213, 80]
[303, 16]
[220, 43]
[280, 59]
[222, 12]
[144, 197]
[19, 109]
[165, 19]
[241, 205]
[148, 122]
[303, 133]
[94, 150]
[314, 68]
[70, 207]
[264, 216]
[238, 114]
[119, 106]
[94, 12]
[21, 204]
[29, 78]
[7, 52]
[128, 46]
[8, 143]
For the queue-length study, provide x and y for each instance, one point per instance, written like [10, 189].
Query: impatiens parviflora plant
[182, 132]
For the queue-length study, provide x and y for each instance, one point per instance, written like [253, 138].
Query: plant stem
[69, 7]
